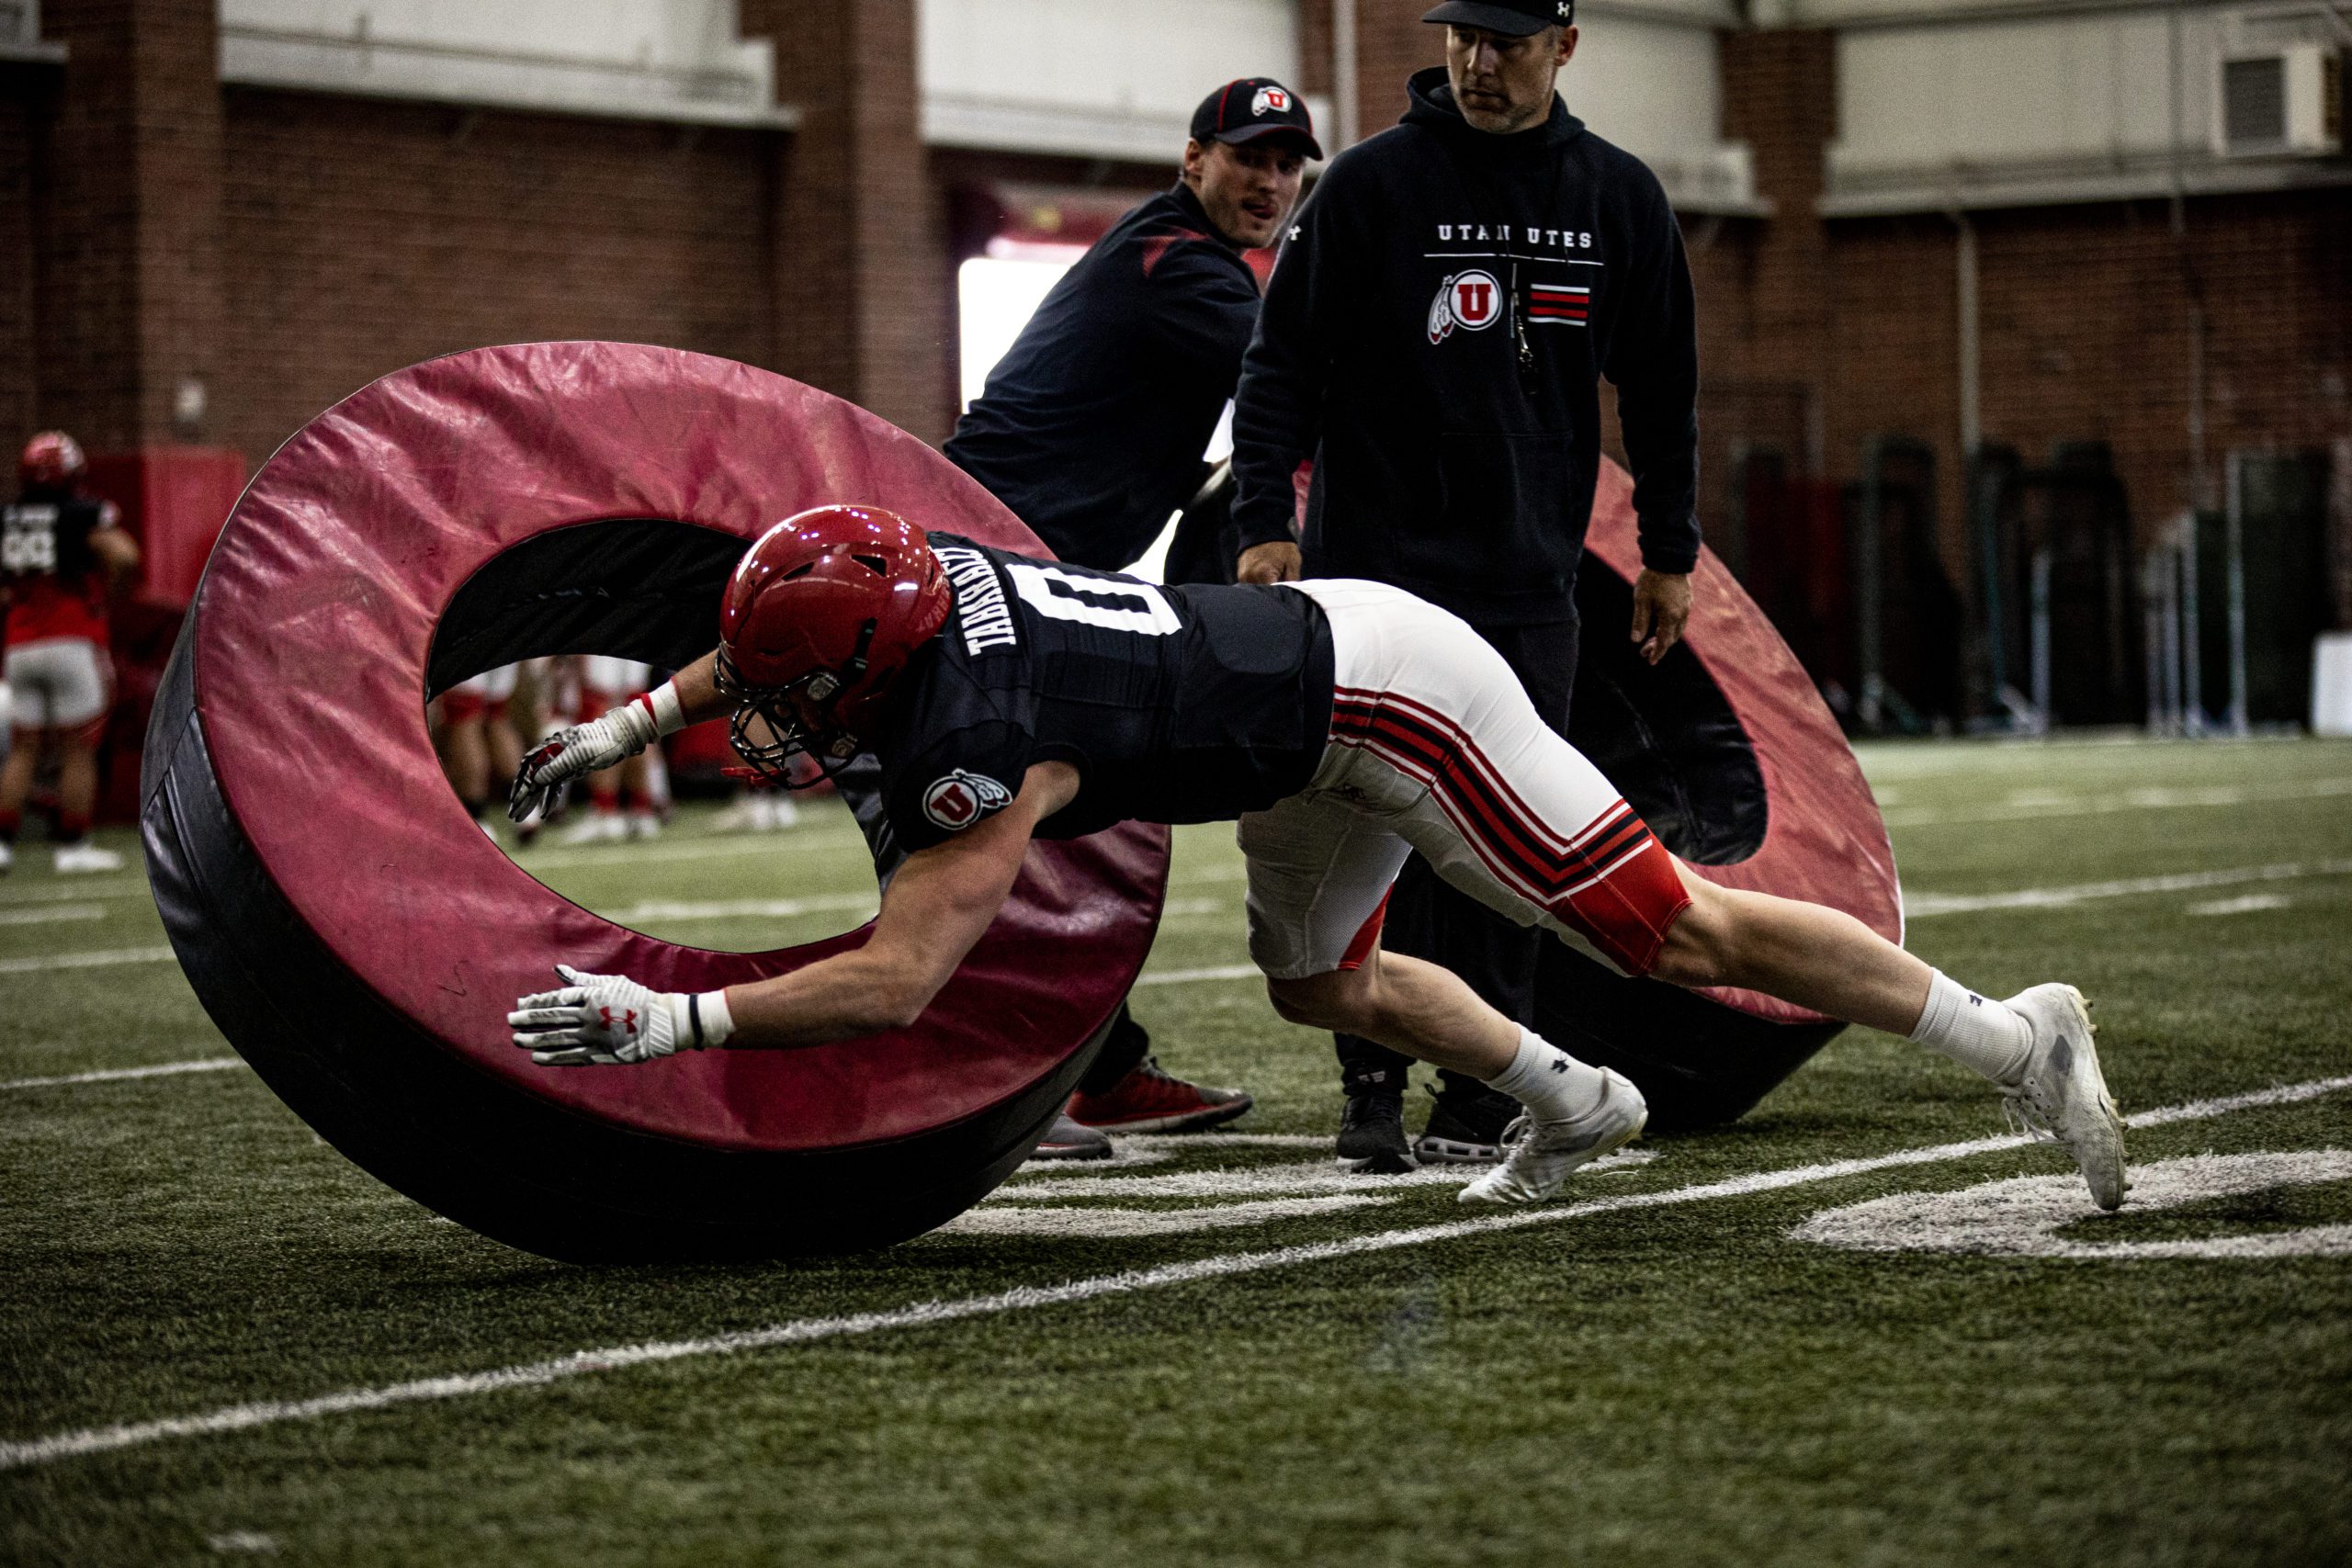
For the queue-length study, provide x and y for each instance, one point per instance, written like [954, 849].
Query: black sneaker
[1372, 1136]
[1066, 1139]
[1466, 1125]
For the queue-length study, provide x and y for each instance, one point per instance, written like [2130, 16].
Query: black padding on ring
[636, 588]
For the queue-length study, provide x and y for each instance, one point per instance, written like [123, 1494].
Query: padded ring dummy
[1733, 759]
[359, 941]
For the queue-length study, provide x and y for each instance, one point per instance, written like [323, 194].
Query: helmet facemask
[800, 718]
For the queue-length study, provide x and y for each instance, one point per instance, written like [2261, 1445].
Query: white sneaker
[596, 828]
[745, 814]
[85, 856]
[781, 812]
[7, 858]
[641, 825]
[1542, 1154]
[2063, 1098]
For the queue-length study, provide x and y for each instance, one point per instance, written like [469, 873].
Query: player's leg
[81, 691]
[2036, 1046]
[1320, 866]
[1518, 818]
[27, 719]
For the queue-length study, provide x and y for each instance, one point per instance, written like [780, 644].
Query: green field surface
[1219, 1350]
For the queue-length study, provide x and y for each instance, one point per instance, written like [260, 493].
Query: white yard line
[1027, 1298]
[746, 908]
[53, 915]
[101, 959]
[43, 893]
[116, 1074]
[1922, 906]
[2034, 806]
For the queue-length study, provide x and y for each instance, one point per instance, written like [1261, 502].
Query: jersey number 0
[1118, 604]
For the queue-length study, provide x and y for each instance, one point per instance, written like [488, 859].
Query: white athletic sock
[1977, 1031]
[1553, 1084]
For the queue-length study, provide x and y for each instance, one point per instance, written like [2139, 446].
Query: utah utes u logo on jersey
[962, 798]
[1472, 300]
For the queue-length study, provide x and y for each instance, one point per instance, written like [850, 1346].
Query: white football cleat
[596, 828]
[7, 857]
[642, 825]
[86, 857]
[1541, 1154]
[2063, 1096]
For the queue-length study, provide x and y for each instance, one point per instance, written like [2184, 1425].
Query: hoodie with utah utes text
[1432, 337]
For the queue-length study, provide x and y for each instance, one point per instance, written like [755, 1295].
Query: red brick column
[128, 247]
[863, 291]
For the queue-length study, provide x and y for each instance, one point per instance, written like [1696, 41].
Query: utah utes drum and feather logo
[1268, 100]
[962, 798]
[1470, 301]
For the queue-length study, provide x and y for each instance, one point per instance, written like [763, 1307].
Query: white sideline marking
[1920, 905]
[2021, 1217]
[46, 916]
[1026, 1298]
[1059, 1224]
[115, 1075]
[2031, 806]
[98, 960]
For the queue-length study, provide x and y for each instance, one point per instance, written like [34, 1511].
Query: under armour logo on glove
[599, 1020]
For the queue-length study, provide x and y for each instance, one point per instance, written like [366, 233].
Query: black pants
[861, 786]
[1428, 919]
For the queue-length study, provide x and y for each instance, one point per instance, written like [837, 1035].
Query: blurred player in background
[63, 555]
[630, 799]
[1092, 430]
[480, 747]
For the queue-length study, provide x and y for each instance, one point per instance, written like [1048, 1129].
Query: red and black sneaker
[1151, 1100]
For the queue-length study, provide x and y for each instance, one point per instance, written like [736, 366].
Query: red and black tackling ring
[1733, 759]
[359, 941]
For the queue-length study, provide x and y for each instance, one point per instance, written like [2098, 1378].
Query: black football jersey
[43, 536]
[1175, 703]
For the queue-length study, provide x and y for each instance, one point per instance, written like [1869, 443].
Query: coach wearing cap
[1433, 336]
[1093, 426]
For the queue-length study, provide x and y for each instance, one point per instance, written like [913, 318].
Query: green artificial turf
[1683, 1382]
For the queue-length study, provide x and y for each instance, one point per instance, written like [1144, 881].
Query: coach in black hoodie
[1432, 338]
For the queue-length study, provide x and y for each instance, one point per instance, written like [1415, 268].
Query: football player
[63, 555]
[1343, 723]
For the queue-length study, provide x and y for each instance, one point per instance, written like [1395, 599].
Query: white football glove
[589, 748]
[605, 1019]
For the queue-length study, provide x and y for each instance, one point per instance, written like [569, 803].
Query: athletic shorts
[606, 683]
[487, 693]
[1434, 747]
[60, 683]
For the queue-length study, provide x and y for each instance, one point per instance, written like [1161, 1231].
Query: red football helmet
[51, 460]
[819, 618]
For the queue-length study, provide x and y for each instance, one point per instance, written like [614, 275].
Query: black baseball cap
[1251, 107]
[1513, 18]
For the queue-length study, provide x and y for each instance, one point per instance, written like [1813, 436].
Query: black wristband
[693, 1017]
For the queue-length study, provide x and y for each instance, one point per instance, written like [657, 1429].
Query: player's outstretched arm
[688, 697]
[936, 908]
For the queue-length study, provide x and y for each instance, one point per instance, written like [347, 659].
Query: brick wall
[364, 235]
[20, 87]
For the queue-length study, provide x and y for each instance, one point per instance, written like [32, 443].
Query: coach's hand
[1661, 608]
[1275, 561]
[601, 1019]
[581, 749]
